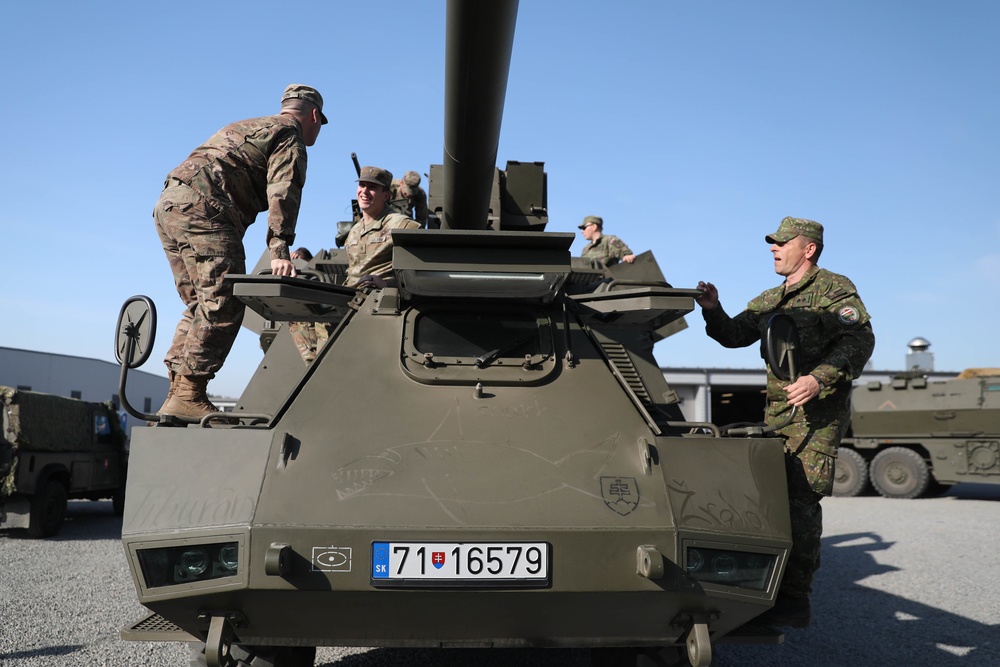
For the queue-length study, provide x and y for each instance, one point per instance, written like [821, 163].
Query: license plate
[475, 563]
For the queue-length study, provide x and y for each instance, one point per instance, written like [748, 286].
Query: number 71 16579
[460, 560]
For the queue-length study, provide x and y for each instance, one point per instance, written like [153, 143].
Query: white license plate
[503, 563]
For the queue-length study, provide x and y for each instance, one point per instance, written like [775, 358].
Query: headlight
[193, 562]
[229, 557]
[184, 564]
[742, 569]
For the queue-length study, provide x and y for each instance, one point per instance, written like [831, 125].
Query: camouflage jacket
[252, 166]
[609, 249]
[412, 203]
[835, 334]
[369, 245]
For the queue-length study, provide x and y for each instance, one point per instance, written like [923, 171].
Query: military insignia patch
[847, 315]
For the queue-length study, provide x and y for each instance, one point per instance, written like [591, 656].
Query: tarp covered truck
[53, 449]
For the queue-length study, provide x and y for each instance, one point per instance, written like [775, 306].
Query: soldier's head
[591, 227]
[795, 246]
[374, 185]
[306, 105]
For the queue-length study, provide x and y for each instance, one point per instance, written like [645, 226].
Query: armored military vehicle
[912, 436]
[53, 449]
[483, 454]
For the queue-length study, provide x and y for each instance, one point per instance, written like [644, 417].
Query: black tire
[899, 472]
[260, 656]
[118, 501]
[48, 509]
[850, 476]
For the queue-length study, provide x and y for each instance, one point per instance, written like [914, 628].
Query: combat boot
[789, 611]
[170, 392]
[189, 400]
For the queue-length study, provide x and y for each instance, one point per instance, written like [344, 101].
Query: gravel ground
[903, 582]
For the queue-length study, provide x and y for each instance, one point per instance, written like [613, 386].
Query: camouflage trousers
[810, 457]
[309, 337]
[202, 247]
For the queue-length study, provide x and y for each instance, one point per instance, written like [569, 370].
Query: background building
[79, 377]
[719, 395]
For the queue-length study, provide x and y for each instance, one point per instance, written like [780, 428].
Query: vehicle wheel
[118, 501]
[899, 472]
[48, 509]
[260, 656]
[850, 474]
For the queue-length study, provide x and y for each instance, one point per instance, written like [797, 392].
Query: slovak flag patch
[437, 559]
[847, 315]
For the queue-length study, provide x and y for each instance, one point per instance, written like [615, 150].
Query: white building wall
[80, 377]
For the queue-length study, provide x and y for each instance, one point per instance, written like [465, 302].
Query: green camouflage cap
[376, 175]
[297, 91]
[592, 219]
[792, 227]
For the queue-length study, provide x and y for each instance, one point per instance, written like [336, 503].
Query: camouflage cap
[592, 220]
[411, 178]
[376, 175]
[297, 91]
[792, 227]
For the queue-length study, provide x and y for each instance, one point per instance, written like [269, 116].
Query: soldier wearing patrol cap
[203, 211]
[369, 243]
[604, 247]
[409, 198]
[369, 252]
[836, 341]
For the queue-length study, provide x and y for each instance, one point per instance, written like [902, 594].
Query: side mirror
[136, 331]
[134, 338]
[782, 347]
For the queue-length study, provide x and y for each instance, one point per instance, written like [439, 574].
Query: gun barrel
[480, 38]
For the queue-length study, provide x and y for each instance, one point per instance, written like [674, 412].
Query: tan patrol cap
[297, 91]
[376, 175]
[792, 227]
[411, 178]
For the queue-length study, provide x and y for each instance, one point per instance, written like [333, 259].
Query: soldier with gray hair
[836, 341]
[604, 247]
[206, 205]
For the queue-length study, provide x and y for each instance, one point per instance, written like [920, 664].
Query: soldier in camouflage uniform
[369, 243]
[409, 198]
[369, 251]
[604, 247]
[836, 341]
[206, 205]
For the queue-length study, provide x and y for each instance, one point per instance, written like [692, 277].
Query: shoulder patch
[847, 315]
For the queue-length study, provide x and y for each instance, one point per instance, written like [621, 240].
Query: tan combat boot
[189, 400]
[170, 392]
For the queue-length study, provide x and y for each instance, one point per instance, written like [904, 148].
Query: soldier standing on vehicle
[836, 341]
[206, 205]
[604, 247]
[409, 198]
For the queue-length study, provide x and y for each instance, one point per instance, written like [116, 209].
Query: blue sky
[691, 127]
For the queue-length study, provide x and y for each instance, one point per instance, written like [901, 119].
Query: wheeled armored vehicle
[483, 454]
[912, 436]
